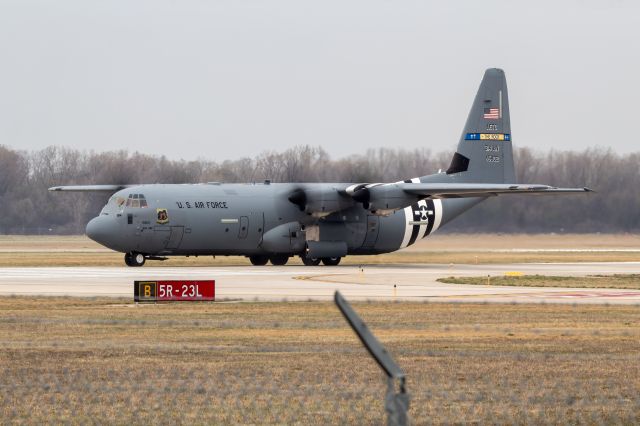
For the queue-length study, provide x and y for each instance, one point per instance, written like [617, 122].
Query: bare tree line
[27, 207]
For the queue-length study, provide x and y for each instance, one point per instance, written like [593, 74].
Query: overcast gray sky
[225, 79]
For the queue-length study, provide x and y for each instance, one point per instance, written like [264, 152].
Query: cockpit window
[136, 200]
[114, 204]
[117, 201]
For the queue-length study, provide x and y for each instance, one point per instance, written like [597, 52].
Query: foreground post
[396, 404]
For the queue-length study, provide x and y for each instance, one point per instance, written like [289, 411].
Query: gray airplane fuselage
[255, 219]
[321, 222]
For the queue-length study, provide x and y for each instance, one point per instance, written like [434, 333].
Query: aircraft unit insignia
[487, 137]
[162, 216]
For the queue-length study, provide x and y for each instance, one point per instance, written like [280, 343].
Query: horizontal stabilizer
[90, 188]
[466, 190]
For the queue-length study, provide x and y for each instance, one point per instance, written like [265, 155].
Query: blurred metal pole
[395, 404]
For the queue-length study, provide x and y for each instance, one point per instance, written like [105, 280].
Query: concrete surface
[277, 283]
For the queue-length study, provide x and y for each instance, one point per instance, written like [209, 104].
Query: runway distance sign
[174, 291]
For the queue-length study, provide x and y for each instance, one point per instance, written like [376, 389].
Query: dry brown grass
[443, 249]
[626, 281]
[438, 241]
[32, 259]
[96, 360]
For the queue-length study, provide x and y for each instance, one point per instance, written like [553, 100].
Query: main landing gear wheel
[331, 261]
[134, 259]
[308, 261]
[258, 260]
[279, 259]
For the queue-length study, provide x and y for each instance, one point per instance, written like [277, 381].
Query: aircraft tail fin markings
[484, 152]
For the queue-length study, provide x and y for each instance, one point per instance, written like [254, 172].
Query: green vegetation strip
[622, 281]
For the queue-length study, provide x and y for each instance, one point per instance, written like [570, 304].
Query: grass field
[103, 360]
[447, 248]
[626, 281]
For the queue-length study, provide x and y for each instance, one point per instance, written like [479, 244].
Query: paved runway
[277, 283]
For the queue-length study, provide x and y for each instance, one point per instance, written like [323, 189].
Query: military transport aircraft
[320, 222]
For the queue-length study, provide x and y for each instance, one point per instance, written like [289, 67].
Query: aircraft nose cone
[98, 230]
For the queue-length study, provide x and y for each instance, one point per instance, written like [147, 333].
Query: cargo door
[371, 237]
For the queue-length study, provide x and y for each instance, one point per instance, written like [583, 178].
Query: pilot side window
[114, 204]
[136, 201]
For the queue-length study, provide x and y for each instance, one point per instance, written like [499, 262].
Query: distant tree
[27, 207]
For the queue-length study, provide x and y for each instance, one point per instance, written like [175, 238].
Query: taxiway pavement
[278, 283]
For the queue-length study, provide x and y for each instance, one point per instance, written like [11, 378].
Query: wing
[466, 190]
[386, 198]
[90, 188]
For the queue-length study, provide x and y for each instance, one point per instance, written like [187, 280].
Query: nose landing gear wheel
[310, 261]
[331, 261]
[258, 260]
[134, 259]
[279, 260]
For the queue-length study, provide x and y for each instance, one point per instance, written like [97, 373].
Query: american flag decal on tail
[491, 113]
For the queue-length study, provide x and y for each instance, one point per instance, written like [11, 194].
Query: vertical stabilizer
[484, 153]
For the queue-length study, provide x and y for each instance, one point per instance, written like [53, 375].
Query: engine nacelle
[383, 199]
[321, 201]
